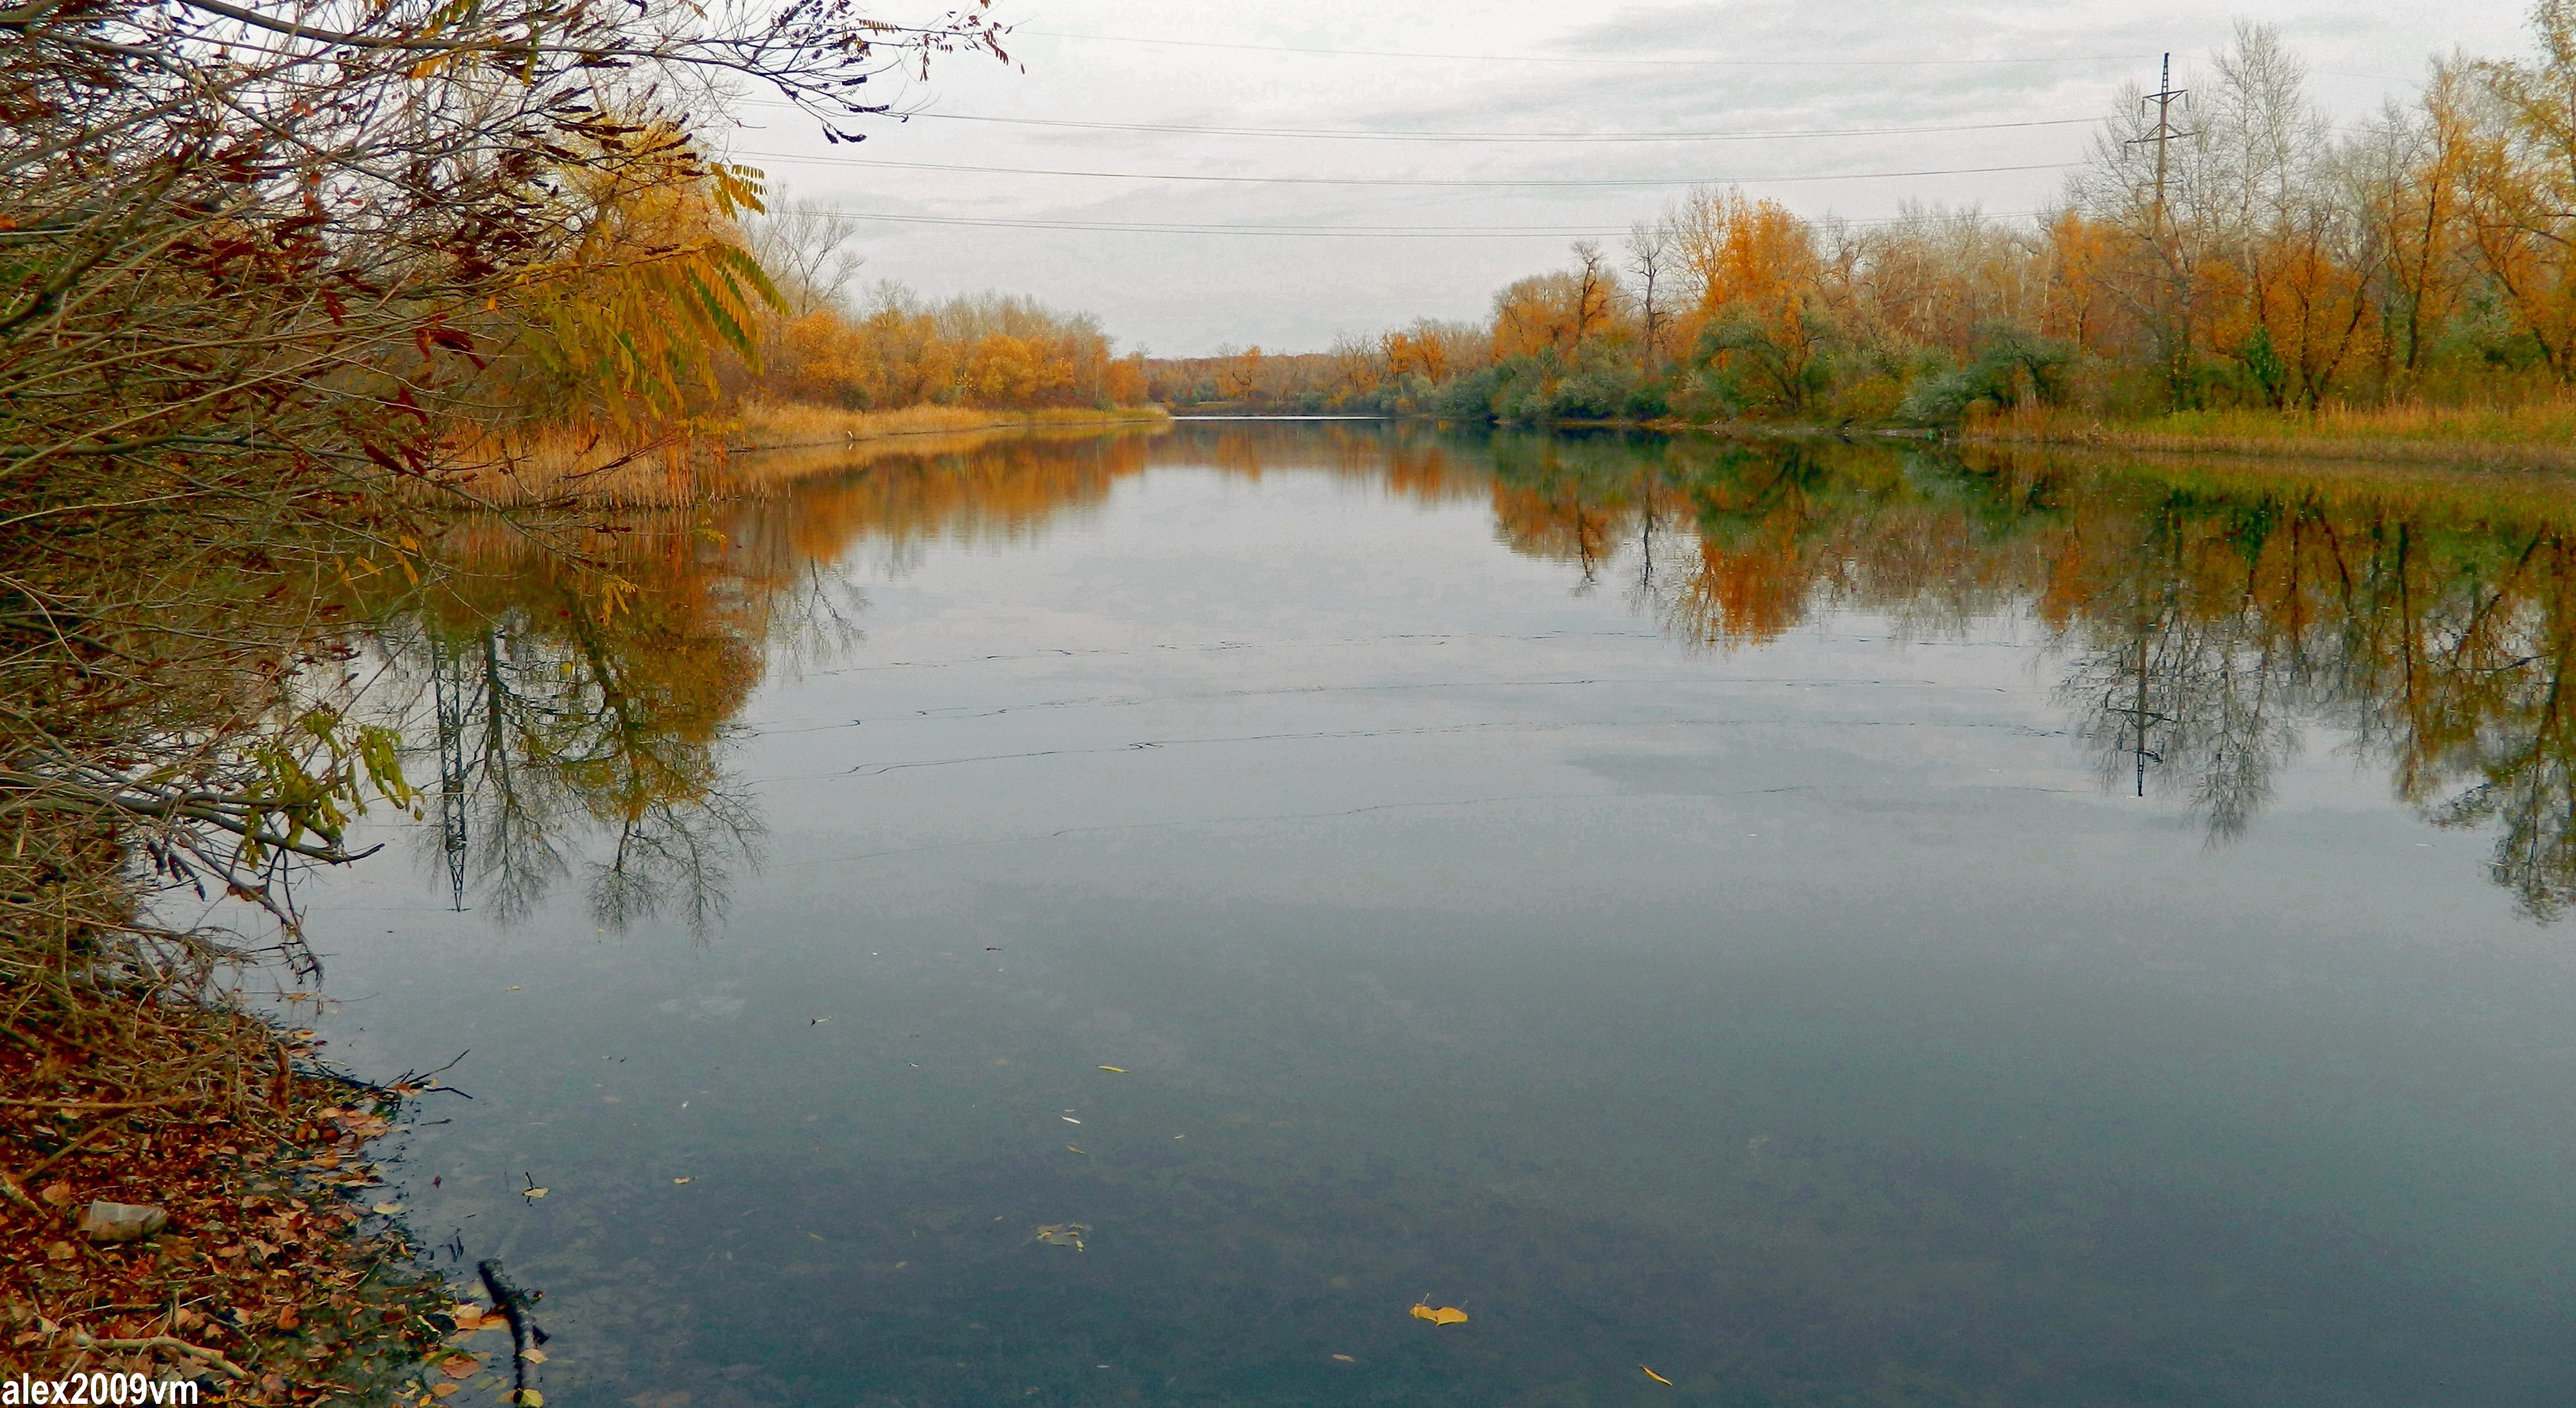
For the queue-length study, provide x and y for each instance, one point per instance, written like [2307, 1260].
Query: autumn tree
[258, 267]
[1755, 265]
[2521, 186]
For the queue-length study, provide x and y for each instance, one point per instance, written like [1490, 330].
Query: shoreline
[2462, 439]
[860, 427]
[275, 1279]
[711, 463]
[2145, 438]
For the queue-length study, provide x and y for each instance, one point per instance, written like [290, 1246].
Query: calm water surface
[1689, 906]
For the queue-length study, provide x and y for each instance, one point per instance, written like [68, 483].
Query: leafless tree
[804, 245]
[1650, 251]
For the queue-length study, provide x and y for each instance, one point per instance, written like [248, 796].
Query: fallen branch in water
[513, 1304]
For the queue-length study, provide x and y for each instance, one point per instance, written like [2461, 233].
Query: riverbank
[2536, 435]
[275, 1279]
[729, 457]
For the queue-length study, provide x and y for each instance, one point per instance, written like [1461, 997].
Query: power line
[1354, 134]
[1594, 182]
[1572, 59]
[1149, 227]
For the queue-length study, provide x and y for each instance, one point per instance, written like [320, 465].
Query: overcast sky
[1492, 68]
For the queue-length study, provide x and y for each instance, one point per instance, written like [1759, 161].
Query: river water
[1826, 925]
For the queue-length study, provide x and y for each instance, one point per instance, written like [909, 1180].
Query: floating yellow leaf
[1658, 1378]
[441, 1390]
[1346, 1359]
[532, 1192]
[533, 1355]
[1443, 1315]
[681, 1180]
[530, 1398]
[1116, 1070]
[460, 1366]
[1072, 1150]
[1063, 1234]
[388, 1209]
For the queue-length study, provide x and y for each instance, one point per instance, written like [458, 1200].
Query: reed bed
[747, 453]
[2537, 434]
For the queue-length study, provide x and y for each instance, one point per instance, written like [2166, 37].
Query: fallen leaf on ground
[1658, 1378]
[58, 1193]
[1443, 1315]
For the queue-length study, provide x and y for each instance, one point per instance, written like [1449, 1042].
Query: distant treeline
[894, 349]
[2424, 256]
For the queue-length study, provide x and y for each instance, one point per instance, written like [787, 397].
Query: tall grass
[2538, 434]
[711, 458]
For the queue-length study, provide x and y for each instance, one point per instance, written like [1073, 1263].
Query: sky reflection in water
[1688, 905]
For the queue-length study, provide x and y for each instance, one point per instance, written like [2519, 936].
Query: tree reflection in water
[2203, 616]
[577, 708]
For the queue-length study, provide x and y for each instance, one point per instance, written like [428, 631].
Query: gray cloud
[1188, 293]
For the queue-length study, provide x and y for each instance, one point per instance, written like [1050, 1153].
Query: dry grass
[732, 457]
[2536, 434]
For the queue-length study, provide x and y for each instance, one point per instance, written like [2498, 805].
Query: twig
[83, 1339]
[95, 1104]
[94, 1131]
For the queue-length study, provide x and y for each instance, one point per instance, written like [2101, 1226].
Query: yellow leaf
[441, 1390]
[532, 1192]
[388, 1209]
[1443, 1315]
[681, 1180]
[1658, 1378]
[530, 1398]
[460, 1366]
[1119, 1070]
[1072, 1150]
